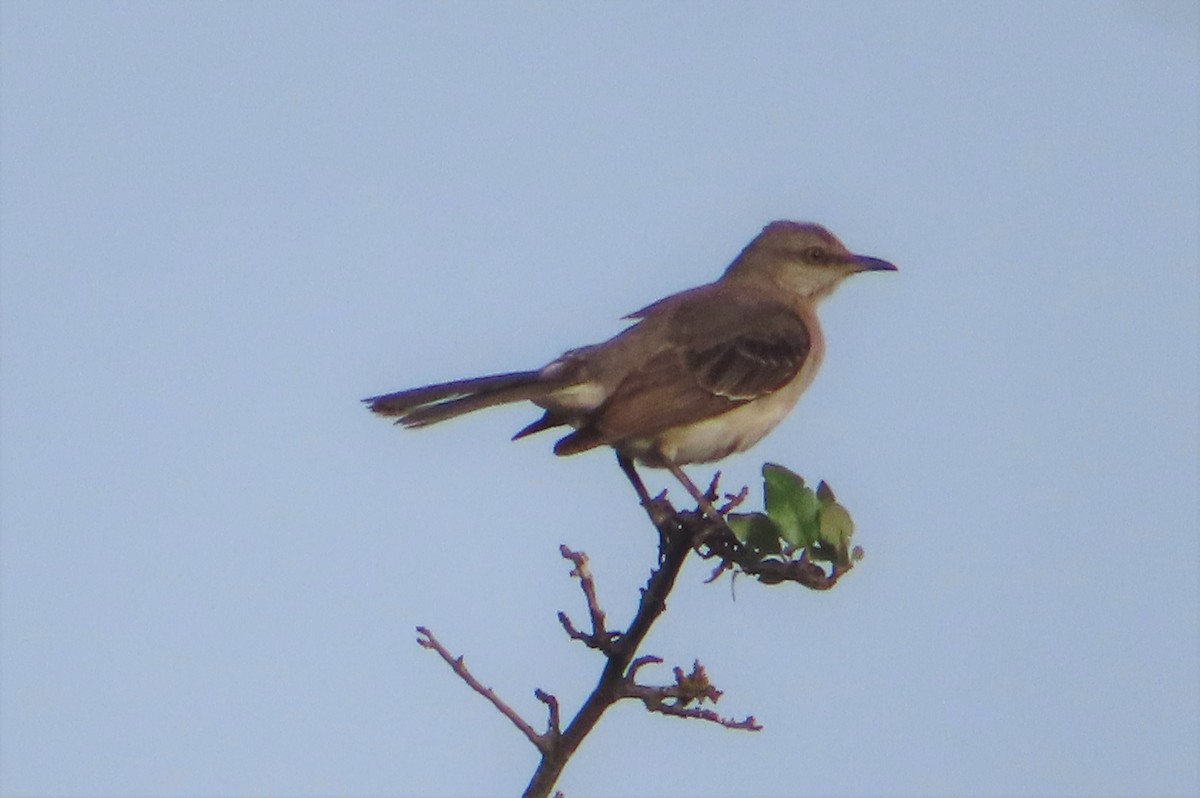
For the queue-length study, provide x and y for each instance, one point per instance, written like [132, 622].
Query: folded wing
[712, 363]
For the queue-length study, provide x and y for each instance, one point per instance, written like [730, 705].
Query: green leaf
[837, 527]
[791, 505]
[741, 523]
[756, 531]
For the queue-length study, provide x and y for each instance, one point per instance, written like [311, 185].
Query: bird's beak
[868, 264]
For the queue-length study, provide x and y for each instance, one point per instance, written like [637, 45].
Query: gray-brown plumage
[698, 375]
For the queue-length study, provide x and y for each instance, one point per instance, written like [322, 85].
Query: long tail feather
[395, 404]
[429, 404]
[440, 411]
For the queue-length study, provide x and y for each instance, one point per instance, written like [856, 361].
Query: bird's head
[800, 257]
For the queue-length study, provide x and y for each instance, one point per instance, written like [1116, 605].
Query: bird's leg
[635, 479]
[701, 500]
[661, 513]
[654, 507]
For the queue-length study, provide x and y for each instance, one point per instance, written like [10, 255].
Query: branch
[674, 546]
[551, 703]
[600, 638]
[733, 556]
[543, 742]
[680, 533]
[674, 699]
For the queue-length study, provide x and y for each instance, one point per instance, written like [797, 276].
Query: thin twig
[551, 702]
[658, 699]
[574, 633]
[543, 742]
[588, 585]
[674, 699]
[639, 663]
[734, 500]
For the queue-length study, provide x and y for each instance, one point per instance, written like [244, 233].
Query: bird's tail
[420, 407]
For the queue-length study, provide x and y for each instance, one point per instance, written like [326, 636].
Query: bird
[697, 376]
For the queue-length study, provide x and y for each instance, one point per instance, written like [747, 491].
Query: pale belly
[718, 437]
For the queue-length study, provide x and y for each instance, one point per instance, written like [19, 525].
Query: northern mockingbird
[698, 376]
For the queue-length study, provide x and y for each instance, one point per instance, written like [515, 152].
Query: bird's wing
[713, 361]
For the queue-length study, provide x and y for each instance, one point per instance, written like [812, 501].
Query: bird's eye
[815, 254]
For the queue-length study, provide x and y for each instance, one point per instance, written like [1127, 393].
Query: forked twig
[675, 699]
[600, 637]
[543, 742]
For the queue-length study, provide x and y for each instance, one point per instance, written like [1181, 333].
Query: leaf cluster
[800, 524]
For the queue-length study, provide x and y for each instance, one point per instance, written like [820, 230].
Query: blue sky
[221, 224]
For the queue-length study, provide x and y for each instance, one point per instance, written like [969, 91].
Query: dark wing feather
[714, 362]
[751, 365]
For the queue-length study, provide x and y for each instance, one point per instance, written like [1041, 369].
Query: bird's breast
[720, 436]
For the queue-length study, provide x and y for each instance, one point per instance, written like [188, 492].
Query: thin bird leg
[701, 500]
[659, 510]
[661, 513]
[635, 479]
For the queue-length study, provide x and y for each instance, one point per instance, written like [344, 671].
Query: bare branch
[655, 700]
[675, 699]
[711, 494]
[588, 584]
[543, 742]
[722, 567]
[734, 500]
[600, 637]
[552, 727]
[575, 634]
[638, 663]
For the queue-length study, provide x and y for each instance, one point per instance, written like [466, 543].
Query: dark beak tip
[869, 264]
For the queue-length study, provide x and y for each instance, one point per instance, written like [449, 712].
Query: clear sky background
[224, 223]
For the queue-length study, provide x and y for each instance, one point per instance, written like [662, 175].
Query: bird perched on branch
[698, 376]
